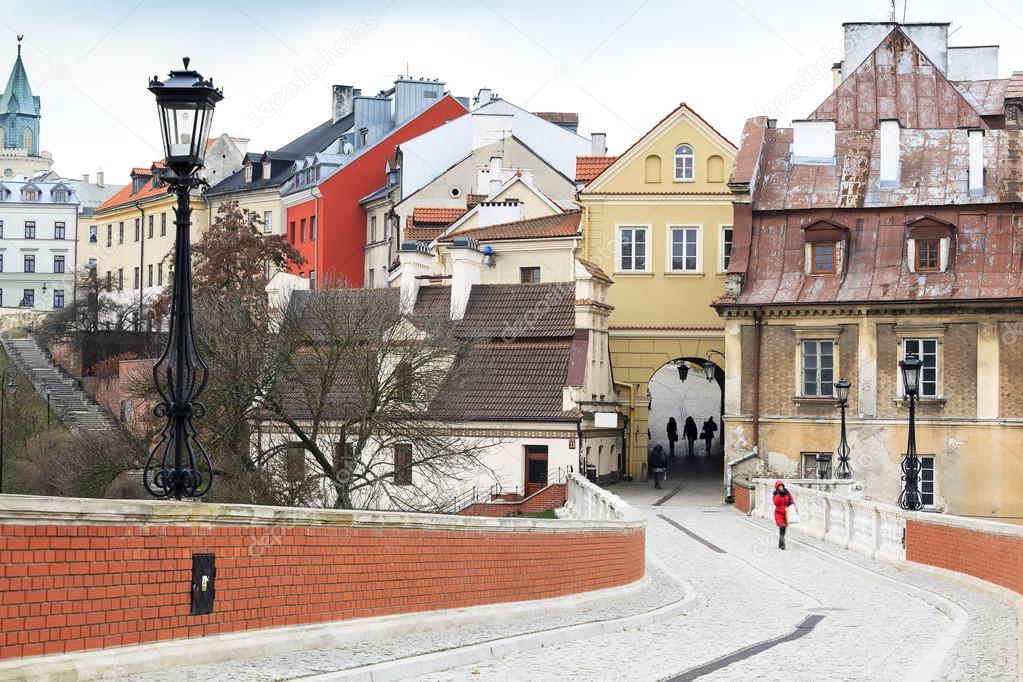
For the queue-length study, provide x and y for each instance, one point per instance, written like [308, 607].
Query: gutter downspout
[627, 445]
[142, 261]
[755, 452]
[315, 191]
[582, 461]
[758, 325]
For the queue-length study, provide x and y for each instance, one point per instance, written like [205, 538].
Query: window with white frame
[685, 167]
[248, 173]
[818, 368]
[928, 484]
[726, 247]
[632, 242]
[268, 221]
[927, 351]
[685, 249]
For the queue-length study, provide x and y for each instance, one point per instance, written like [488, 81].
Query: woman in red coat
[782, 501]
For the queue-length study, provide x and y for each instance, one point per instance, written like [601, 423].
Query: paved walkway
[812, 612]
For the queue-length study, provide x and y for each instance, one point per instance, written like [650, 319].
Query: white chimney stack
[85, 178]
[890, 139]
[466, 269]
[599, 143]
[415, 264]
[495, 176]
[483, 97]
[99, 178]
[976, 162]
[813, 142]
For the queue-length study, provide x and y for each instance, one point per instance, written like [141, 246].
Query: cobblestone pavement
[874, 627]
[878, 621]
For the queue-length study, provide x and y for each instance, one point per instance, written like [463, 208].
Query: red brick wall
[551, 497]
[988, 556]
[68, 587]
[741, 495]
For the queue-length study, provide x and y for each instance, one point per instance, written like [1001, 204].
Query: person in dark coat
[690, 433]
[658, 464]
[672, 434]
[782, 501]
[709, 427]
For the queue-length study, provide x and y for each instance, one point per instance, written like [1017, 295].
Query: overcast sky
[622, 64]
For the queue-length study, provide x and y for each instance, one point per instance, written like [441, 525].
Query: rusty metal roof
[986, 96]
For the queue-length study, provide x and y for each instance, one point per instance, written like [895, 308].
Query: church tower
[19, 125]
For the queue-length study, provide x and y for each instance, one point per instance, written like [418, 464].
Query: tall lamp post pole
[6, 381]
[178, 465]
[910, 498]
[842, 393]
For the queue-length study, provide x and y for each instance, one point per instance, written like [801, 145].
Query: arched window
[653, 168]
[715, 169]
[27, 137]
[684, 163]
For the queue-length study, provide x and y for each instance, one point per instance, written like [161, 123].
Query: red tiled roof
[125, 196]
[435, 216]
[595, 271]
[422, 234]
[589, 167]
[557, 225]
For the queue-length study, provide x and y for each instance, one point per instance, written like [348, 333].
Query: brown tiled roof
[519, 311]
[891, 84]
[510, 381]
[423, 215]
[595, 271]
[557, 225]
[558, 116]
[589, 167]
[422, 234]
[473, 199]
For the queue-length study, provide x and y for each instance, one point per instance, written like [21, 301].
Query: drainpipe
[142, 261]
[758, 325]
[582, 450]
[627, 445]
[319, 228]
[755, 452]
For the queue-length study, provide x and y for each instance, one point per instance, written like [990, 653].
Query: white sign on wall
[605, 420]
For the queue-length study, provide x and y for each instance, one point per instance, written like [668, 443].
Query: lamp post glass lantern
[178, 465]
[683, 370]
[910, 499]
[823, 465]
[842, 393]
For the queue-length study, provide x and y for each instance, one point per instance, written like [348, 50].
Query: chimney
[599, 143]
[466, 268]
[99, 178]
[813, 142]
[484, 96]
[416, 262]
[976, 163]
[495, 176]
[498, 212]
[890, 139]
[343, 101]
[85, 178]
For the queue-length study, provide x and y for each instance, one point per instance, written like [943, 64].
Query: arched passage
[671, 396]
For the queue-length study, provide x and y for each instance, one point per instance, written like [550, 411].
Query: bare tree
[344, 381]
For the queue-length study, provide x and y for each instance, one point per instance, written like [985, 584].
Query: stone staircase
[78, 411]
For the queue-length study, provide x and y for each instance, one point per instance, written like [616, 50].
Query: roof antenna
[905, 4]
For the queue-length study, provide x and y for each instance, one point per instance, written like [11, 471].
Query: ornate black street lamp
[842, 393]
[6, 381]
[683, 370]
[178, 465]
[709, 368]
[910, 498]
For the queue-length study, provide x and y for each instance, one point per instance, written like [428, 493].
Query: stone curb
[389, 671]
[178, 653]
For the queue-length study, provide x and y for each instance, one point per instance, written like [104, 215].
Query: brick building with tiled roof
[886, 224]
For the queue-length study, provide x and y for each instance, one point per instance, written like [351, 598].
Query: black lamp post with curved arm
[178, 465]
[910, 499]
[842, 393]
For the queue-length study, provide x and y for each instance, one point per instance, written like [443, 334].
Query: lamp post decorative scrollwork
[178, 466]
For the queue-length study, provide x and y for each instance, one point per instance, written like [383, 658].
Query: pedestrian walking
[782, 501]
[690, 433]
[709, 427]
[672, 434]
[658, 464]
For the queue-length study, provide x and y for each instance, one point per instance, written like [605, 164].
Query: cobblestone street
[812, 612]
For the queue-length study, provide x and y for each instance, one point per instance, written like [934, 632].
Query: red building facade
[329, 227]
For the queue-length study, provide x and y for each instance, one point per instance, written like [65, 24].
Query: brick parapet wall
[989, 551]
[549, 498]
[88, 574]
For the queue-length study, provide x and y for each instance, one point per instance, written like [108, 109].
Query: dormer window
[823, 258]
[825, 245]
[59, 195]
[266, 170]
[929, 245]
[137, 183]
[248, 173]
[30, 194]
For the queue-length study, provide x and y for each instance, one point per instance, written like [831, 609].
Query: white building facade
[38, 235]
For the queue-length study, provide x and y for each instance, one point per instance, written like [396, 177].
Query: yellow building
[134, 232]
[658, 220]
